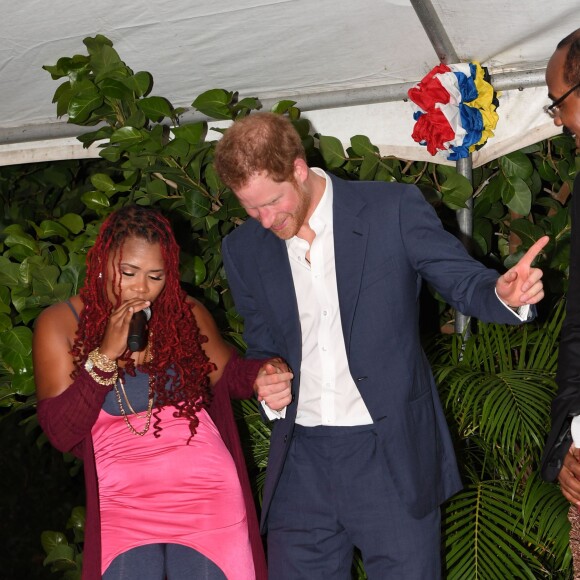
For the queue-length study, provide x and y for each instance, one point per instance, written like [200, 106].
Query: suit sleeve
[566, 404]
[441, 260]
[257, 333]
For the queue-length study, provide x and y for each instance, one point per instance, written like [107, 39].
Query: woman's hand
[114, 342]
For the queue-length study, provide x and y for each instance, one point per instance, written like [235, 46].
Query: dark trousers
[335, 492]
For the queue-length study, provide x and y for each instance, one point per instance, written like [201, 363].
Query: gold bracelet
[100, 361]
[106, 382]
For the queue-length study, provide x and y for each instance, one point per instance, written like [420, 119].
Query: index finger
[534, 250]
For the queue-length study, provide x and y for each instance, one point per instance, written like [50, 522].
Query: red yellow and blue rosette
[455, 109]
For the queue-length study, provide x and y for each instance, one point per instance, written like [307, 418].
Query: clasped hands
[273, 384]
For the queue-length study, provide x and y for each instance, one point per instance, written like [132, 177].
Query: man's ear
[300, 170]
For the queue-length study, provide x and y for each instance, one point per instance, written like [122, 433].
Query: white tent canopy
[347, 64]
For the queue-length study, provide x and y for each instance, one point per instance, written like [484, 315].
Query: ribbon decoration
[455, 109]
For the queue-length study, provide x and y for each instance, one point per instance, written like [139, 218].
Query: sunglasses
[553, 110]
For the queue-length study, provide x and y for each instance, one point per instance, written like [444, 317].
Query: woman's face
[137, 271]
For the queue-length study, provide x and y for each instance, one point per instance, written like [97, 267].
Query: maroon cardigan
[68, 419]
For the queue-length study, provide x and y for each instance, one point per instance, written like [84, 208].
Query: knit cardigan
[68, 419]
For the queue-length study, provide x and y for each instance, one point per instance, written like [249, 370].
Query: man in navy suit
[327, 276]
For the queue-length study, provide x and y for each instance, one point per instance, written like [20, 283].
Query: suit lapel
[350, 246]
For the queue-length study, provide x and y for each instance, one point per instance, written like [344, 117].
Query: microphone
[137, 338]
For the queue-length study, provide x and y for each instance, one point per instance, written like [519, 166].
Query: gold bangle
[106, 382]
[100, 361]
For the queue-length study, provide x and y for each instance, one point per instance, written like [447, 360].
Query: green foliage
[496, 387]
[62, 556]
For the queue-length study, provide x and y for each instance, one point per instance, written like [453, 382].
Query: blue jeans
[161, 562]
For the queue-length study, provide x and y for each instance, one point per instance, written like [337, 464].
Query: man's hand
[569, 477]
[273, 384]
[522, 284]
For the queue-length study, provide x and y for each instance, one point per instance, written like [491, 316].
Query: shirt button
[325, 313]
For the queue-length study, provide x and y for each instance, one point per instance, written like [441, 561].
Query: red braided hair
[179, 366]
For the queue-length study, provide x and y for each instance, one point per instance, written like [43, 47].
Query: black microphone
[137, 338]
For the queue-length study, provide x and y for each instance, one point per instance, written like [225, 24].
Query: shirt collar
[322, 215]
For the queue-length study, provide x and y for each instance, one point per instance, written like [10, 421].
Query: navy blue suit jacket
[387, 240]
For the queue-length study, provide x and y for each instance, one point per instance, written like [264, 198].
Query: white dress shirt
[328, 394]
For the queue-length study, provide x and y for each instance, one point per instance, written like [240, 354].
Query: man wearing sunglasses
[561, 459]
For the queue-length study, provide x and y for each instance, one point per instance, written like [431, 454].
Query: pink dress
[161, 490]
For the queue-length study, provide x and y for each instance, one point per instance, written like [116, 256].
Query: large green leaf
[214, 103]
[17, 349]
[72, 222]
[24, 240]
[456, 188]
[50, 228]
[140, 83]
[104, 183]
[156, 108]
[114, 89]
[104, 58]
[516, 164]
[9, 273]
[95, 200]
[197, 203]
[519, 196]
[332, 151]
[82, 104]
[127, 136]
[362, 146]
[193, 133]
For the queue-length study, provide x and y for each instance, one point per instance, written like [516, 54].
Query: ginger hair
[259, 143]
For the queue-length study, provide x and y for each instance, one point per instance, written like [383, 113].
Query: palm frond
[496, 388]
[484, 536]
[545, 518]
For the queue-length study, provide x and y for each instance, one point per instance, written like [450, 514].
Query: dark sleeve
[442, 260]
[257, 327]
[566, 404]
[68, 418]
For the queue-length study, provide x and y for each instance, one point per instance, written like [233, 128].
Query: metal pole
[306, 102]
[465, 221]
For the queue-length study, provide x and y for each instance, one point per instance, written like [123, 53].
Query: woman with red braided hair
[168, 495]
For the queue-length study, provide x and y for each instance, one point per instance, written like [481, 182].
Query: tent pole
[465, 221]
[447, 55]
[435, 31]
[306, 102]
